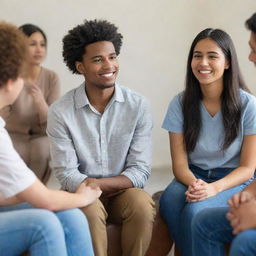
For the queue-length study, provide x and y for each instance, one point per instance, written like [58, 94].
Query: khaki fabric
[132, 208]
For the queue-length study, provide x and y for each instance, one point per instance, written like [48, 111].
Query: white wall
[157, 36]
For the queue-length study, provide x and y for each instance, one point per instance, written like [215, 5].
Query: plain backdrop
[157, 37]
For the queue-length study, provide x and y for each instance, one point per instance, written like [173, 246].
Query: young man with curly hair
[100, 134]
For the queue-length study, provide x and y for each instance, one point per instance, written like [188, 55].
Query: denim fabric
[179, 214]
[212, 230]
[44, 233]
[244, 244]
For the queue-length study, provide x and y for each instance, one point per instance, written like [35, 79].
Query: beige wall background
[157, 36]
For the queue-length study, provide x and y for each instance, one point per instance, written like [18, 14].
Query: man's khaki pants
[134, 209]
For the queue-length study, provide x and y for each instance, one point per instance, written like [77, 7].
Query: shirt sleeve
[63, 154]
[249, 116]
[139, 158]
[173, 121]
[15, 176]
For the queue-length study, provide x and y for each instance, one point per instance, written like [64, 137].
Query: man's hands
[236, 200]
[92, 182]
[110, 186]
[106, 190]
[90, 193]
[242, 212]
[199, 190]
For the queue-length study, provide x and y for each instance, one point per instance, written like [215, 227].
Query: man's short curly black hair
[251, 23]
[89, 32]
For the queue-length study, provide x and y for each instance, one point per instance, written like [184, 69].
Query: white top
[15, 176]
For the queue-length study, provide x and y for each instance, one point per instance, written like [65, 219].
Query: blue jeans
[42, 232]
[178, 214]
[212, 230]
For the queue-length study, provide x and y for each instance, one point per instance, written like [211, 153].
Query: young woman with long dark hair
[212, 130]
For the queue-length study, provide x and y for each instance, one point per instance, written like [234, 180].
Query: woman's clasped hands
[199, 190]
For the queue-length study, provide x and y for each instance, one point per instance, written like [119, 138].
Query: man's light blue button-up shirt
[85, 143]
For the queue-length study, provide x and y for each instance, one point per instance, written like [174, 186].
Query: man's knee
[140, 204]
[95, 212]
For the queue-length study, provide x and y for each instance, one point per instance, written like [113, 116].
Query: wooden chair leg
[161, 241]
[114, 239]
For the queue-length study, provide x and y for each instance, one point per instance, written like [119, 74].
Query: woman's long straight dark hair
[230, 98]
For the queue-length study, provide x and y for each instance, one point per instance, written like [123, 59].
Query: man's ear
[79, 67]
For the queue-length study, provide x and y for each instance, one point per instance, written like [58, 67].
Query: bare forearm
[236, 177]
[61, 200]
[112, 184]
[10, 201]
[41, 197]
[184, 175]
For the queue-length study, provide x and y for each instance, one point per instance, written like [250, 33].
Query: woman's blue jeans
[212, 231]
[44, 233]
[178, 214]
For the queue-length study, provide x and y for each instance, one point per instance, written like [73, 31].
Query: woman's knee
[172, 198]
[45, 222]
[73, 217]
[201, 222]
[174, 192]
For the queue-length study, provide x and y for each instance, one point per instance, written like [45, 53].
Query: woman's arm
[40, 196]
[39, 102]
[42, 103]
[10, 201]
[238, 176]
[180, 160]
[245, 169]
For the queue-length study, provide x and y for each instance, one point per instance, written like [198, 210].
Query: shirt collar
[118, 95]
[82, 100]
